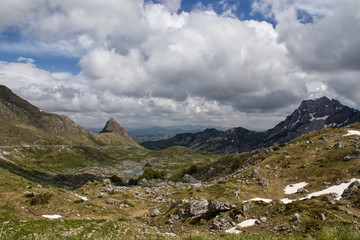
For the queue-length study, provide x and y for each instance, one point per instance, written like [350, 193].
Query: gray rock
[245, 207]
[296, 217]
[112, 201]
[198, 207]
[178, 203]
[267, 166]
[338, 182]
[155, 212]
[322, 216]
[347, 158]
[215, 207]
[262, 219]
[189, 179]
[222, 224]
[254, 173]
[302, 190]
[351, 190]
[349, 213]
[263, 182]
[338, 145]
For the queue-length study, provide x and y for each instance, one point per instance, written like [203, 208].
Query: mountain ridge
[309, 116]
[24, 123]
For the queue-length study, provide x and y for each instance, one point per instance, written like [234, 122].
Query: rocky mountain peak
[113, 126]
[312, 105]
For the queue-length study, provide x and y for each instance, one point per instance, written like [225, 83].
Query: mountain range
[311, 115]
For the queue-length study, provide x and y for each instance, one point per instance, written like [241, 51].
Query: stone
[254, 173]
[263, 182]
[198, 207]
[296, 217]
[215, 207]
[338, 145]
[351, 190]
[338, 182]
[245, 207]
[222, 224]
[155, 212]
[262, 219]
[112, 201]
[302, 190]
[347, 158]
[178, 203]
[189, 179]
[267, 166]
[322, 216]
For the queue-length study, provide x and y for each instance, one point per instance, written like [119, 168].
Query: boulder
[215, 207]
[351, 190]
[198, 207]
[189, 179]
[155, 212]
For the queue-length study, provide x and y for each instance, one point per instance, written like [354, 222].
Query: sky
[226, 63]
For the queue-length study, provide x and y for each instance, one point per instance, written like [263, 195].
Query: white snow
[292, 188]
[258, 200]
[243, 224]
[352, 132]
[312, 118]
[55, 216]
[337, 189]
[81, 197]
[286, 200]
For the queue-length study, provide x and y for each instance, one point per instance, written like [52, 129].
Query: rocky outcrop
[189, 179]
[113, 126]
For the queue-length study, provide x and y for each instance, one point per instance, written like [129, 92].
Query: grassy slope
[64, 202]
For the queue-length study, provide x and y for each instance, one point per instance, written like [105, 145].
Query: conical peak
[113, 126]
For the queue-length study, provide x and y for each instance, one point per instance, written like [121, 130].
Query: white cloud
[147, 62]
[325, 46]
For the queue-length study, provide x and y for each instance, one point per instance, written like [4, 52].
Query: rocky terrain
[311, 115]
[108, 187]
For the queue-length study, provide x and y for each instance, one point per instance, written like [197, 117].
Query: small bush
[236, 164]
[147, 165]
[133, 182]
[117, 180]
[150, 173]
[43, 198]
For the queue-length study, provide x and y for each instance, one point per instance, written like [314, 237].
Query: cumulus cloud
[202, 55]
[323, 38]
[146, 58]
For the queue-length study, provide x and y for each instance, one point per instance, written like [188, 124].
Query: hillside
[311, 115]
[23, 123]
[267, 193]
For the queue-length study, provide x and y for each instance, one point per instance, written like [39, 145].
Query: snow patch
[292, 188]
[243, 224]
[352, 132]
[81, 197]
[337, 189]
[286, 200]
[258, 200]
[312, 118]
[55, 216]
